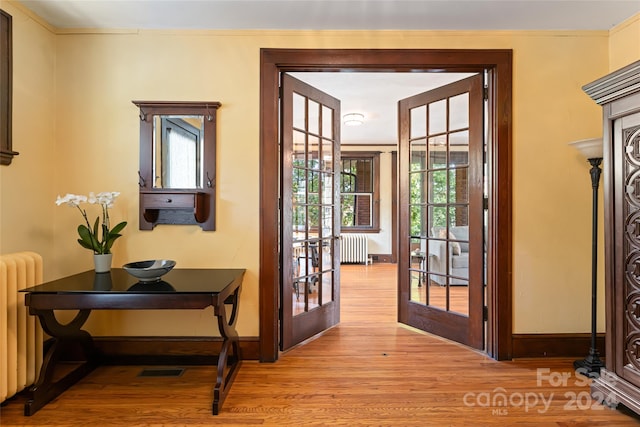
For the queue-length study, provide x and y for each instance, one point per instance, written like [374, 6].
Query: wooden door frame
[498, 62]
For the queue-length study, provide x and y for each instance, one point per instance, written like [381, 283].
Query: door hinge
[485, 203]
[280, 92]
[485, 313]
[485, 92]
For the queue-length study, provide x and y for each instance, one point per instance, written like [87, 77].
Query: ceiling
[336, 14]
[373, 94]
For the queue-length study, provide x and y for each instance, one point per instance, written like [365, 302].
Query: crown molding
[615, 85]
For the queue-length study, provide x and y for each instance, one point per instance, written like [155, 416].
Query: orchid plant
[90, 237]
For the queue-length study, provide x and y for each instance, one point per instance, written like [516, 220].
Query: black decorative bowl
[151, 270]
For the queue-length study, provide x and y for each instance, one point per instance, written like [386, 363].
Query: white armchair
[458, 261]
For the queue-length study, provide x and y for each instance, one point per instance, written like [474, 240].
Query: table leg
[229, 359]
[65, 338]
[422, 275]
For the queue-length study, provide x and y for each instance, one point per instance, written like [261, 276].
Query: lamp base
[590, 365]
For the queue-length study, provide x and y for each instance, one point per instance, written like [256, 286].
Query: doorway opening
[497, 64]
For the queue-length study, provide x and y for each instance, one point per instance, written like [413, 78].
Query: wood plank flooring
[367, 371]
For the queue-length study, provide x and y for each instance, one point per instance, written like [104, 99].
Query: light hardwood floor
[367, 371]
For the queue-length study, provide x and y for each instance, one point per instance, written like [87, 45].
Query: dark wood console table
[179, 289]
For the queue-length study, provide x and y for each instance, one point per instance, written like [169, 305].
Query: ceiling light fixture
[353, 119]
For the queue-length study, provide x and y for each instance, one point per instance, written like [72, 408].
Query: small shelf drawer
[168, 201]
[170, 207]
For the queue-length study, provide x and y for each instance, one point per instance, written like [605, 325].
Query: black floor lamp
[592, 150]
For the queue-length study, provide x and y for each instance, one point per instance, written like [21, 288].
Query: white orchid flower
[105, 198]
[99, 240]
[72, 200]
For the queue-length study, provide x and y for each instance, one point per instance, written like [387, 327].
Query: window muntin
[359, 191]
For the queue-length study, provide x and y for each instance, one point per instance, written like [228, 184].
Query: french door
[310, 211]
[441, 251]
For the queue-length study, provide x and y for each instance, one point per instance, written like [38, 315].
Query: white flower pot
[102, 262]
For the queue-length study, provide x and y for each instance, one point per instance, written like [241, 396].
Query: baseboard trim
[554, 345]
[381, 258]
[198, 348]
[523, 346]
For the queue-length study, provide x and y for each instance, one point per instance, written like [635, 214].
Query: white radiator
[354, 248]
[20, 334]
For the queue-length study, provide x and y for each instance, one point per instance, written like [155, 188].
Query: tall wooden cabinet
[619, 95]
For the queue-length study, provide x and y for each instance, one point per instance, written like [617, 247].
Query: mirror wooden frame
[171, 205]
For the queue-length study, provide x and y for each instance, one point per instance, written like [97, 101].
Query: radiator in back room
[354, 248]
[21, 335]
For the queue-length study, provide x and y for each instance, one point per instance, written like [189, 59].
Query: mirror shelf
[154, 202]
[177, 163]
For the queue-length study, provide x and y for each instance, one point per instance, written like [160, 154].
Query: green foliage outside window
[356, 188]
[418, 194]
[300, 205]
[347, 203]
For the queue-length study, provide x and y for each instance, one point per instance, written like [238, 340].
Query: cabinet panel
[619, 95]
[625, 105]
[627, 148]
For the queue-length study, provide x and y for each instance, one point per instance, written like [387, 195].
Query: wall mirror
[177, 151]
[177, 163]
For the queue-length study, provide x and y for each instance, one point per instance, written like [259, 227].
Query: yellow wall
[86, 134]
[27, 186]
[624, 43]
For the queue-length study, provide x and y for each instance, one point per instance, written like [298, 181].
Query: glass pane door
[441, 258]
[439, 204]
[312, 193]
[310, 211]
